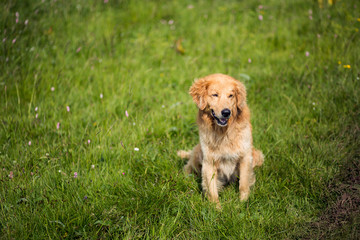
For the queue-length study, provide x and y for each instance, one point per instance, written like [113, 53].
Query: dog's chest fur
[225, 148]
[225, 144]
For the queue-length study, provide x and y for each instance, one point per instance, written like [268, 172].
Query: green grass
[305, 115]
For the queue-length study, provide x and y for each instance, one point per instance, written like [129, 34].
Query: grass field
[94, 105]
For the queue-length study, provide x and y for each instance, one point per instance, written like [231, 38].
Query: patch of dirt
[341, 219]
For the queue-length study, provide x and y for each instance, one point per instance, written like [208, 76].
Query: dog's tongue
[223, 120]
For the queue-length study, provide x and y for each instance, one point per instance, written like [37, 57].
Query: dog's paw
[218, 206]
[244, 195]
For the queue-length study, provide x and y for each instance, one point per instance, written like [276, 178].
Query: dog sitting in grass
[225, 152]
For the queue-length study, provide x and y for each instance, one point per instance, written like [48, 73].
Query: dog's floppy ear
[198, 92]
[240, 95]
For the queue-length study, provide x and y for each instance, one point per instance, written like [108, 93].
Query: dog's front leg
[246, 173]
[209, 181]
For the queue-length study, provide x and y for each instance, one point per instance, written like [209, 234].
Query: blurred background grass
[123, 70]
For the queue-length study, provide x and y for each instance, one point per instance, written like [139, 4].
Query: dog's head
[220, 96]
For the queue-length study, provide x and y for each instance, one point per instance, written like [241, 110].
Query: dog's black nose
[226, 112]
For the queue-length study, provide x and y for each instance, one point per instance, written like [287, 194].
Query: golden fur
[225, 151]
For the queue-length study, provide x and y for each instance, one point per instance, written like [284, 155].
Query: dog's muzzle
[223, 120]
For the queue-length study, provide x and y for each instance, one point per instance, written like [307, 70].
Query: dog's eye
[215, 95]
[230, 96]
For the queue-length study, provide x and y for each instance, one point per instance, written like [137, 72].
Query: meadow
[94, 105]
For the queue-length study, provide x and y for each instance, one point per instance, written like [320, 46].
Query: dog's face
[220, 96]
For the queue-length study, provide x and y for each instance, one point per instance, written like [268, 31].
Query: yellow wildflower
[320, 3]
[347, 66]
[339, 62]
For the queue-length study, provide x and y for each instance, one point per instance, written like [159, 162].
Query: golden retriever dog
[226, 151]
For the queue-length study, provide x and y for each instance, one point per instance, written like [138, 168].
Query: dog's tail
[184, 154]
[258, 157]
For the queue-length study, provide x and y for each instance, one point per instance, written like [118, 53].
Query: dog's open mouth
[220, 121]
